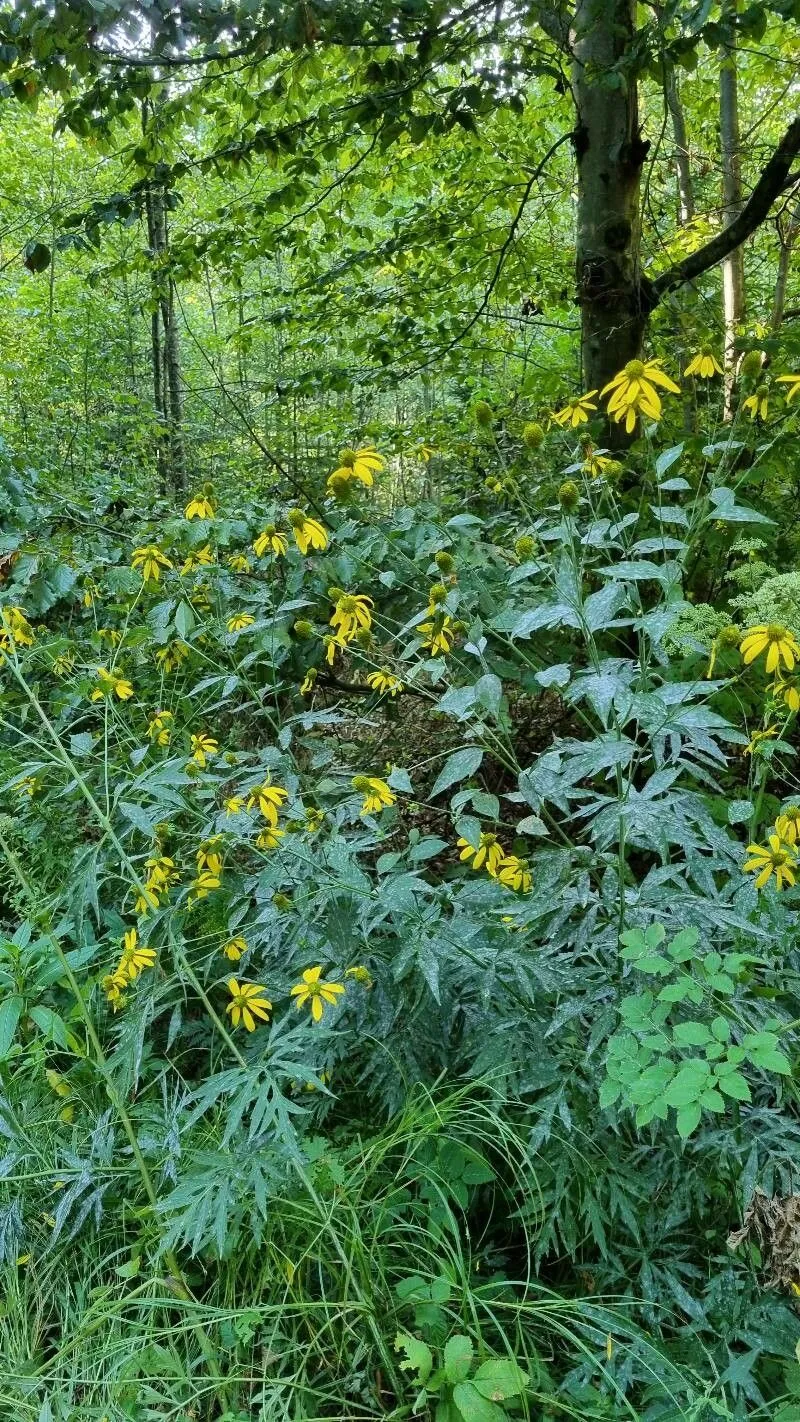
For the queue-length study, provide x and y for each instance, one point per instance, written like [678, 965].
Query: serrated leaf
[458, 1352]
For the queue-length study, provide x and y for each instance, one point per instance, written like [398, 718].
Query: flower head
[777, 641]
[438, 633]
[199, 506]
[385, 682]
[633, 392]
[269, 837]
[202, 558]
[269, 798]
[351, 611]
[134, 957]
[794, 382]
[234, 949]
[515, 874]
[488, 853]
[150, 560]
[758, 739]
[314, 992]
[309, 680]
[704, 364]
[271, 540]
[575, 412]
[757, 403]
[247, 1004]
[787, 825]
[238, 622]
[159, 727]
[238, 563]
[203, 748]
[361, 464]
[308, 532]
[172, 657]
[314, 819]
[377, 795]
[111, 685]
[776, 857]
[14, 627]
[234, 804]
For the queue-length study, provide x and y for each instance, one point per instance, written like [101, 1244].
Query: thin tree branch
[770, 184]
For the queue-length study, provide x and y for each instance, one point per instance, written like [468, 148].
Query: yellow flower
[203, 885]
[171, 657]
[575, 412]
[794, 382]
[234, 949]
[307, 684]
[111, 685]
[776, 858]
[515, 874]
[774, 639]
[790, 692]
[595, 465]
[787, 825]
[208, 855]
[758, 402]
[240, 621]
[199, 506]
[333, 645]
[146, 900]
[114, 986]
[351, 612]
[159, 727]
[150, 560]
[203, 558]
[360, 464]
[439, 634]
[271, 541]
[314, 819]
[269, 837]
[15, 628]
[203, 747]
[377, 795]
[489, 853]
[704, 364]
[162, 872]
[64, 663]
[758, 738]
[360, 975]
[247, 1004]
[234, 804]
[315, 993]
[269, 798]
[308, 532]
[28, 785]
[385, 682]
[634, 392]
[134, 957]
[239, 563]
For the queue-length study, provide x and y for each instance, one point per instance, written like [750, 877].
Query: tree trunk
[610, 153]
[733, 265]
[165, 343]
[683, 168]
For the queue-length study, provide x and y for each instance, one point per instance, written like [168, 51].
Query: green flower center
[634, 369]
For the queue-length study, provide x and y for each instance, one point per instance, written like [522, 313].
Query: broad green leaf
[458, 1352]
[457, 767]
[418, 1359]
[10, 1010]
[473, 1406]
[500, 1378]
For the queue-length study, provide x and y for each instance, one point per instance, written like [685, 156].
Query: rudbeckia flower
[794, 382]
[316, 993]
[247, 1004]
[575, 412]
[778, 643]
[787, 825]
[704, 364]
[488, 853]
[271, 540]
[633, 392]
[199, 506]
[377, 795]
[360, 464]
[385, 682]
[776, 858]
[308, 532]
[150, 560]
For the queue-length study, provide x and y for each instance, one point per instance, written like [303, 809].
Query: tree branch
[770, 184]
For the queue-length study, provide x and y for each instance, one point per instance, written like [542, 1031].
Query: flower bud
[525, 547]
[484, 414]
[444, 561]
[751, 364]
[532, 435]
[437, 593]
[340, 486]
[569, 496]
[303, 629]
